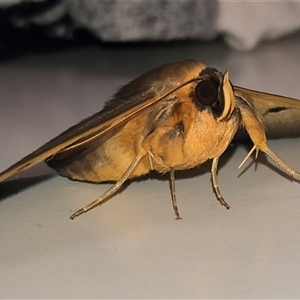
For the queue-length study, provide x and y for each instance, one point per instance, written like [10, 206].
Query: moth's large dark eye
[206, 92]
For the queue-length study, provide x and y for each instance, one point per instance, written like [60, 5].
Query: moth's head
[208, 88]
[213, 91]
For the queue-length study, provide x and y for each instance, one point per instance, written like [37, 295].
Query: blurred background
[242, 24]
[60, 61]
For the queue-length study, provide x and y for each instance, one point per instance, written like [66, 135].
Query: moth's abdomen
[80, 163]
[99, 160]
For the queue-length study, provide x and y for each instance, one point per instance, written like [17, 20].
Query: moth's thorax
[189, 138]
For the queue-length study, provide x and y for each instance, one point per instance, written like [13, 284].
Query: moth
[174, 117]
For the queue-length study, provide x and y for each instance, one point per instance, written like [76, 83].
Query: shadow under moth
[174, 117]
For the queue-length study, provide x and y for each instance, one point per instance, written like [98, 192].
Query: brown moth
[174, 117]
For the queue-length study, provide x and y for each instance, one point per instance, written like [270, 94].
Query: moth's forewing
[128, 102]
[279, 115]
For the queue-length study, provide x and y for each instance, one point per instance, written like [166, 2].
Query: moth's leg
[214, 170]
[173, 193]
[287, 169]
[151, 156]
[109, 192]
[248, 155]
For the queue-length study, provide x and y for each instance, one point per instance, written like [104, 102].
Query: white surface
[258, 21]
[132, 247]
